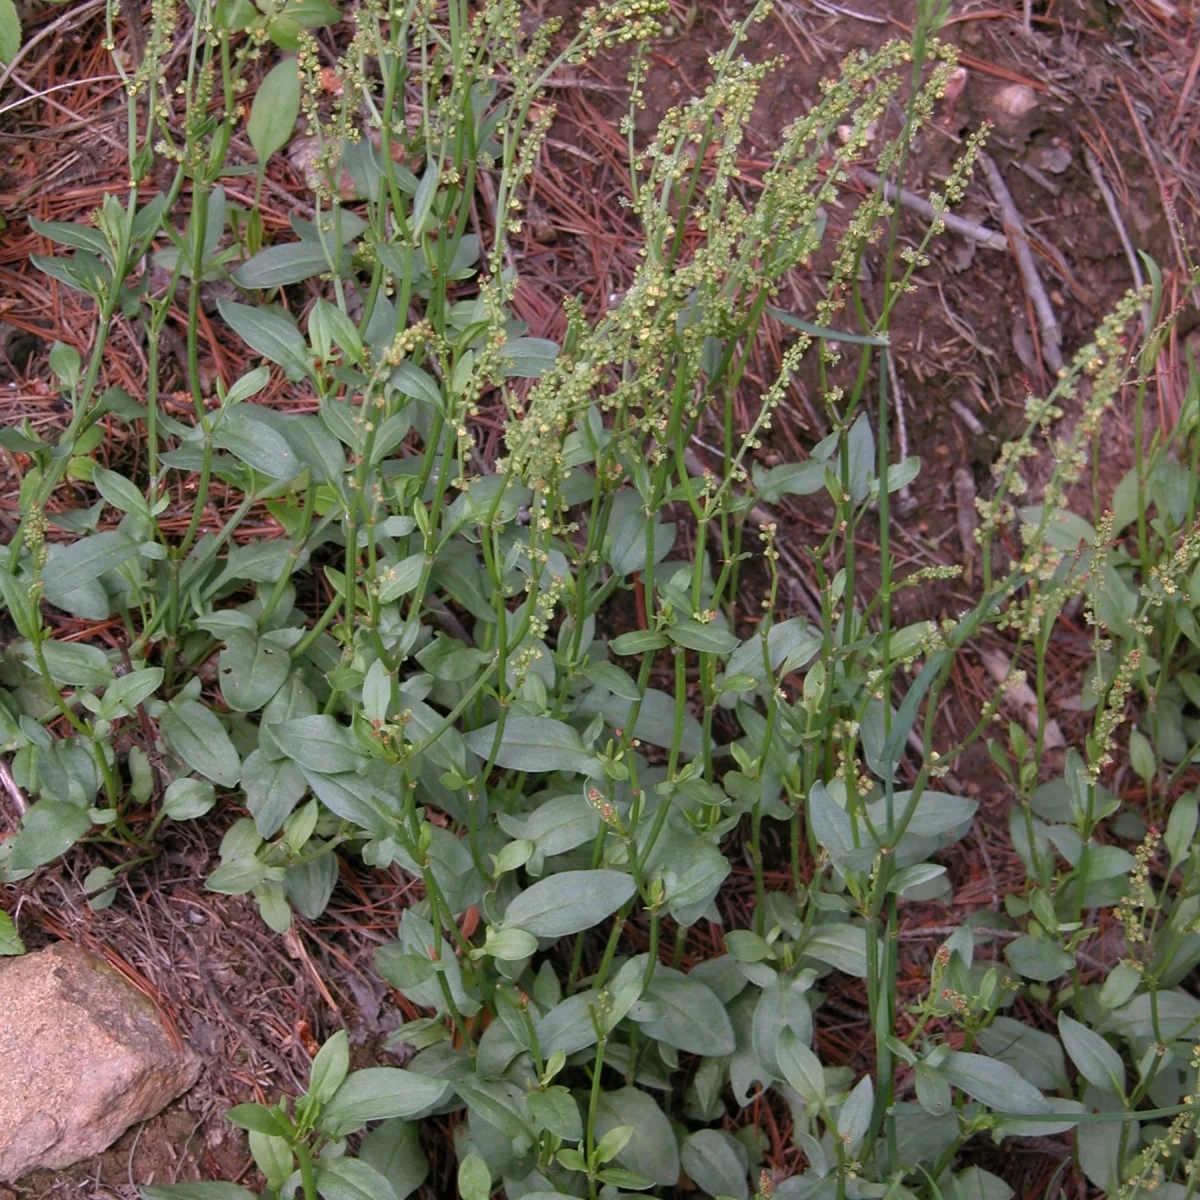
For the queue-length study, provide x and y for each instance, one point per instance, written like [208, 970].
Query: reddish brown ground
[1117, 78]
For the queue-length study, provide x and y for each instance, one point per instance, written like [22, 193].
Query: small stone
[955, 85]
[1014, 110]
[1054, 157]
[82, 1057]
[305, 155]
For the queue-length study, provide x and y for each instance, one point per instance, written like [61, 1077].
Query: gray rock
[1015, 111]
[82, 1057]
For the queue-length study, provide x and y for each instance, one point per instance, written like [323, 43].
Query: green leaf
[274, 111]
[569, 902]
[652, 1151]
[273, 905]
[256, 444]
[528, 357]
[572, 1159]
[1169, 1014]
[1038, 958]
[1181, 828]
[79, 237]
[402, 970]
[273, 789]
[237, 877]
[712, 1161]
[377, 1093]
[496, 1102]
[271, 333]
[297, 15]
[655, 722]
[84, 272]
[1064, 531]
[627, 529]
[400, 579]
[993, 1083]
[276, 266]
[195, 1191]
[933, 1089]
[746, 946]
[640, 641]
[186, 799]
[693, 635]
[118, 491]
[862, 458]
[394, 1150]
[274, 1158]
[855, 1118]
[474, 1178]
[10, 939]
[510, 945]
[693, 870]
[841, 946]
[820, 331]
[977, 1184]
[619, 1177]
[789, 479]
[801, 1067]
[410, 380]
[328, 326]
[608, 675]
[50, 829]
[329, 1069]
[568, 1026]
[131, 690]
[66, 363]
[556, 1109]
[1097, 1061]
[684, 1013]
[310, 884]
[318, 743]
[75, 664]
[251, 670]
[901, 474]
[1141, 756]
[256, 1117]
[193, 732]
[248, 385]
[15, 594]
[78, 564]
[1123, 980]
[1034, 1054]
[613, 1142]
[914, 876]
[351, 1179]
[538, 744]
[10, 31]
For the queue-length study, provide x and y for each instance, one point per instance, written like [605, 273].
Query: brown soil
[1109, 77]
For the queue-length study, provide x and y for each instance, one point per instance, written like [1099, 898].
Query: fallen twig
[1164, 192]
[968, 418]
[967, 518]
[73, 17]
[1020, 698]
[906, 497]
[9, 784]
[967, 229]
[1110, 202]
[1051, 335]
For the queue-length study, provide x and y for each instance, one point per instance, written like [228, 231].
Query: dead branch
[1014, 226]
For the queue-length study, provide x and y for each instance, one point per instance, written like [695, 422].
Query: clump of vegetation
[460, 706]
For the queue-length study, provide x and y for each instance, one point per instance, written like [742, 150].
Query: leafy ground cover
[526, 638]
